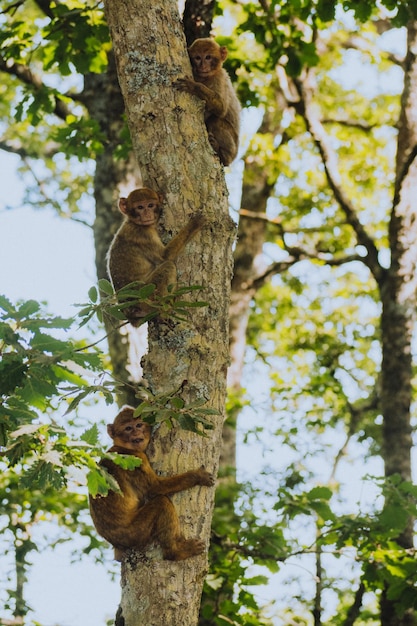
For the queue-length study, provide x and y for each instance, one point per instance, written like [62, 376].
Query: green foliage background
[313, 336]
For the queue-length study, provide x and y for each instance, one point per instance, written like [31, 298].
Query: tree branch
[402, 175]
[329, 158]
[275, 268]
[197, 19]
[26, 76]
[357, 43]
[49, 149]
[353, 612]
[350, 124]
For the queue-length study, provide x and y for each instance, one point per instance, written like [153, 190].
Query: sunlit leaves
[100, 481]
[134, 295]
[80, 137]
[285, 29]
[317, 501]
[72, 35]
[170, 408]
[76, 36]
[41, 367]
[40, 50]
[36, 366]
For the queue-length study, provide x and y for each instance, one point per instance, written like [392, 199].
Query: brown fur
[143, 514]
[137, 253]
[212, 85]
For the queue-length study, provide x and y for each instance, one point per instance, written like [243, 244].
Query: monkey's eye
[128, 429]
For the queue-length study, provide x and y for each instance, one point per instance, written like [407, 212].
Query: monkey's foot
[184, 549]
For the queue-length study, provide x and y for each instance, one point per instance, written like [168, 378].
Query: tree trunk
[259, 180]
[113, 178]
[197, 19]
[174, 156]
[399, 309]
[250, 240]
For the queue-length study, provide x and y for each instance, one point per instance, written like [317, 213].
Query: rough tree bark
[171, 146]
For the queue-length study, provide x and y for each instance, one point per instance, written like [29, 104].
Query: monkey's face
[134, 435]
[206, 58]
[143, 212]
[205, 63]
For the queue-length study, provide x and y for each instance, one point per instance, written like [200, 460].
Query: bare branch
[354, 610]
[275, 268]
[357, 411]
[403, 173]
[357, 43]
[14, 149]
[12, 8]
[317, 608]
[260, 216]
[329, 159]
[350, 124]
[45, 7]
[14, 146]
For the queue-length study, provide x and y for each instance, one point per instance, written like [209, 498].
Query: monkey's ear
[160, 198]
[110, 430]
[223, 53]
[123, 205]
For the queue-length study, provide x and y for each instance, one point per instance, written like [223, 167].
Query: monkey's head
[206, 57]
[129, 432]
[141, 206]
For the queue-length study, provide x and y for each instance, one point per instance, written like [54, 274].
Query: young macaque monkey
[143, 514]
[212, 85]
[137, 253]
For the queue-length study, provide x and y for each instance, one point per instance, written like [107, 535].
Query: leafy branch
[115, 303]
[169, 408]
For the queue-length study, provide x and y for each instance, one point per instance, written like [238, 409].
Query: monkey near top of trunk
[212, 85]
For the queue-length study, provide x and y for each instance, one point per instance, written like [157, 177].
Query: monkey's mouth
[143, 221]
[137, 441]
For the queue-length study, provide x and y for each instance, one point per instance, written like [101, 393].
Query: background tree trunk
[113, 178]
[174, 156]
[398, 295]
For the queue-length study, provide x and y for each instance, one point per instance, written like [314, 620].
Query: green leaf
[257, 580]
[28, 308]
[93, 295]
[12, 373]
[41, 475]
[91, 435]
[177, 403]
[7, 306]
[106, 287]
[97, 483]
[47, 343]
[126, 461]
[320, 493]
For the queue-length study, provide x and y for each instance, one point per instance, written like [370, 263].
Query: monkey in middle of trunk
[137, 253]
